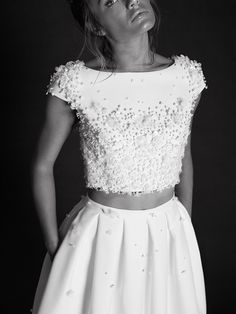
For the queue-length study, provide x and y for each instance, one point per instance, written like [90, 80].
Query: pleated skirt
[121, 261]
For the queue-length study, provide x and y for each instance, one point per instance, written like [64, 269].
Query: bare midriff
[126, 201]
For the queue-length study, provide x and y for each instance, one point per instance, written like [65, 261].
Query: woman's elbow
[41, 166]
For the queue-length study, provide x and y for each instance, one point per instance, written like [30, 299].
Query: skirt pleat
[118, 261]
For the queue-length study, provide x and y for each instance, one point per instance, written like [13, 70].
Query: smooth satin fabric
[118, 261]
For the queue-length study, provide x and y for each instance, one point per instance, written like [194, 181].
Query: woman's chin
[145, 24]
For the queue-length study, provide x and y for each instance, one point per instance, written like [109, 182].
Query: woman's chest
[134, 105]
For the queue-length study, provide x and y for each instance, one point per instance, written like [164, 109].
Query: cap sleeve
[194, 74]
[197, 79]
[64, 81]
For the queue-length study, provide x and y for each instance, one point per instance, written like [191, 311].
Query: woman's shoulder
[66, 72]
[161, 60]
[69, 66]
[93, 64]
[192, 69]
[65, 79]
[187, 62]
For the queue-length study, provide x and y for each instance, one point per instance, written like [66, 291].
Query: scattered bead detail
[109, 212]
[133, 139]
[69, 292]
[153, 215]
[109, 231]
[71, 244]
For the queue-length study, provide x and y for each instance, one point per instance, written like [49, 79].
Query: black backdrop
[41, 34]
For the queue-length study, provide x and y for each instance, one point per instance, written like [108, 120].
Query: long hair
[99, 46]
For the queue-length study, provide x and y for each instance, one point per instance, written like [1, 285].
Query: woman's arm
[184, 189]
[57, 126]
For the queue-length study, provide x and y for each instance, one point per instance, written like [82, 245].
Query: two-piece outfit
[133, 129]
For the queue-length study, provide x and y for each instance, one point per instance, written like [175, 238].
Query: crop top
[133, 126]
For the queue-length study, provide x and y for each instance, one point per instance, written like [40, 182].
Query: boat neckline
[132, 72]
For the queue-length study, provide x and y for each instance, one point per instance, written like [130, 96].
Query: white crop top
[133, 126]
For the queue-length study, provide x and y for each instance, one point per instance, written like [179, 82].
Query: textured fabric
[120, 261]
[133, 126]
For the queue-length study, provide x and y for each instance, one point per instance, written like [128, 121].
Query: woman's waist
[126, 201]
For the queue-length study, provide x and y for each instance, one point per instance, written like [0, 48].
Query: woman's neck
[133, 55]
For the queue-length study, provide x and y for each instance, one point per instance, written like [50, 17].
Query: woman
[128, 246]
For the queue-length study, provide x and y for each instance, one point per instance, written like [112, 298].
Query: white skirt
[121, 261]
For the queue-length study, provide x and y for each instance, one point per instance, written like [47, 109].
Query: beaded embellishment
[133, 127]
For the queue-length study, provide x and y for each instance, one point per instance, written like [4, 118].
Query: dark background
[41, 34]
